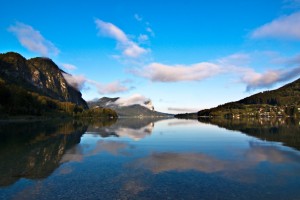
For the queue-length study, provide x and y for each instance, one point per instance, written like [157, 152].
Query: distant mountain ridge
[40, 75]
[281, 102]
[134, 110]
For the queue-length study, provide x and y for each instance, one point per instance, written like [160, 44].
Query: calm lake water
[150, 159]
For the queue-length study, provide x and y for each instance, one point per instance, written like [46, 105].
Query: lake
[151, 159]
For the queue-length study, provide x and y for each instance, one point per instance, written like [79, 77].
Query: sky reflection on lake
[148, 159]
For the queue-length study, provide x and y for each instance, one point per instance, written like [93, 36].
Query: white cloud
[76, 81]
[132, 100]
[283, 27]
[128, 47]
[33, 40]
[158, 72]
[109, 88]
[133, 50]
[267, 79]
[69, 67]
[110, 30]
[235, 64]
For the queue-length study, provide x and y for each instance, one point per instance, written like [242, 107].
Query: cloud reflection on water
[135, 134]
[133, 128]
[242, 162]
[78, 153]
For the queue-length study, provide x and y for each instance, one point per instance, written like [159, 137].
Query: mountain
[135, 110]
[282, 102]
[38, 87]
[40, 75]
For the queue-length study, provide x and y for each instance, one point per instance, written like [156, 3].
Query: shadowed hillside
[37, 87]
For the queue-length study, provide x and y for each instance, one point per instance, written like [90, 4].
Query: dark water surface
[150, 159]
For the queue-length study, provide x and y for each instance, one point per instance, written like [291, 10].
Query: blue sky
[183, 55]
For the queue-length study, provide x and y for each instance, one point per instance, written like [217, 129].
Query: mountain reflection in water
[134, 128]
[282, 130]
[150, 158]
[34, 149]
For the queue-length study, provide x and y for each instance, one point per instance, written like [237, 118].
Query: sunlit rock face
[39, 75]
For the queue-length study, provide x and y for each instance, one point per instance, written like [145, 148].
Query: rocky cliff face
[39, 75]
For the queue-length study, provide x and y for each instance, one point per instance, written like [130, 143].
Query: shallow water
[148, 159]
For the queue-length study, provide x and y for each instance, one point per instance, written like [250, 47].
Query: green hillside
[282, 102]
